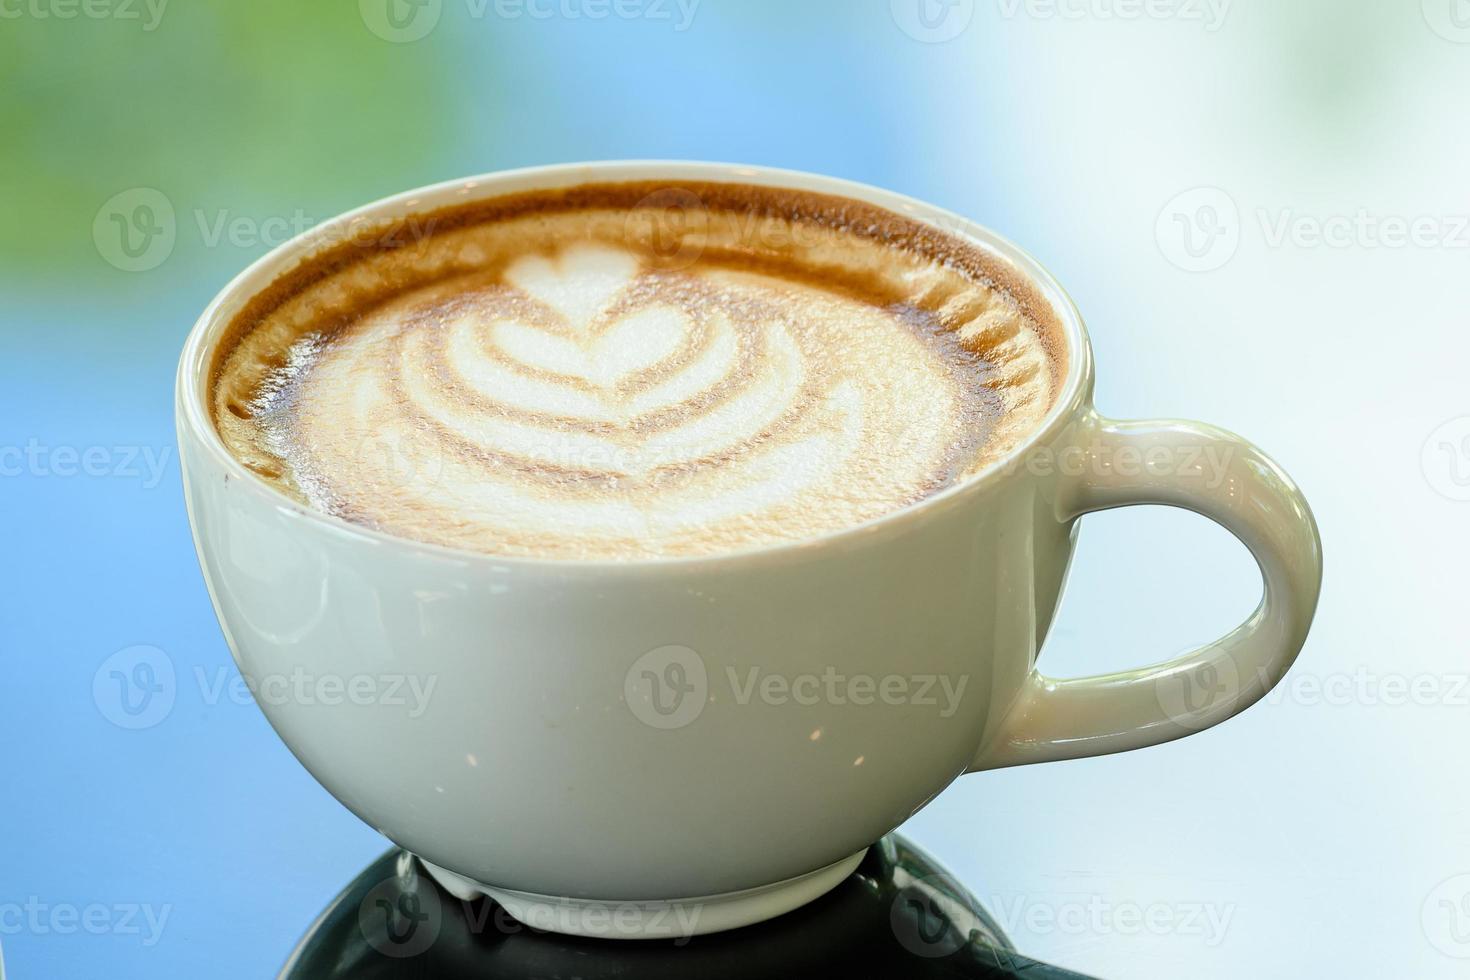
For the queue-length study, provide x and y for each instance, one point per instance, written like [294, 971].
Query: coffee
[621, 371]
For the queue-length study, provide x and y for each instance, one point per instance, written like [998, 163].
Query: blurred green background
[229, 105]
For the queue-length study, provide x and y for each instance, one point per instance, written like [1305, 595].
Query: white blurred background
[1322, 824]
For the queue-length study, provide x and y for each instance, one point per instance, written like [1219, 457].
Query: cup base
[673, 919]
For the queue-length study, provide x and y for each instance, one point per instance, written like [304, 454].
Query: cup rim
[191, 405]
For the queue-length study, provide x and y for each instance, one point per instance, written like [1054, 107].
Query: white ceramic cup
[692, 744]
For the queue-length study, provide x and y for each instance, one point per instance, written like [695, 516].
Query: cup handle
[1214, 473]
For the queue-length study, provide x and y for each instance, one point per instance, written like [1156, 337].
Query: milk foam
[552, 385]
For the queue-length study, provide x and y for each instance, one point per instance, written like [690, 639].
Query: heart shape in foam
[581, 284]
[578, 283]
[590, 366]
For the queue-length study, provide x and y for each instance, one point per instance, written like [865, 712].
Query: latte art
[545, 385]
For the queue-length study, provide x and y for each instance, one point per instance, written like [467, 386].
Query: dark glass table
[899, 915]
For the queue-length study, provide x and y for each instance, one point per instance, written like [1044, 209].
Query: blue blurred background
[1216, 182]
